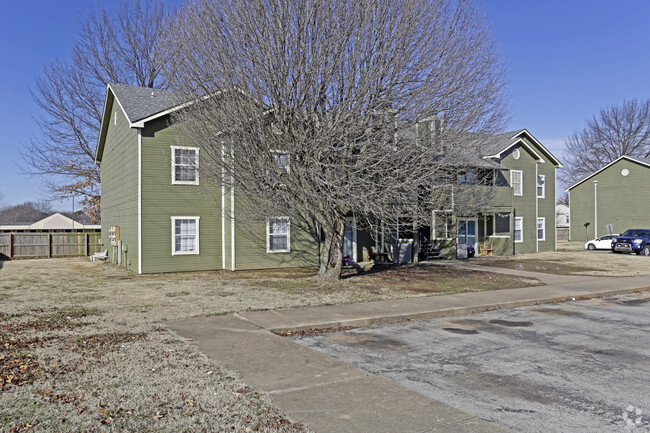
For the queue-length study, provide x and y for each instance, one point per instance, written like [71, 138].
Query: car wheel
[646, 250]
[591, 247]
[638, 252]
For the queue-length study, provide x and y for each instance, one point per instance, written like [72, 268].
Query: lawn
[83, 345]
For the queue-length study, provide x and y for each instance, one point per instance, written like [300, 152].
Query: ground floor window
[541, 229]
[519, 229]
[443, 225]
[278, 235]
[185, 235]
[502, 222]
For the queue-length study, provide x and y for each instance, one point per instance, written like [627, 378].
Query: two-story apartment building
[160, 214]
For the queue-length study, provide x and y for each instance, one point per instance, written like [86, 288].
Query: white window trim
[268, 237]
[286, 169]
[185, 253]
[543, 219]
[543, 177]
[283, 152]
[521, 239]
[521, 182]
[184, 182]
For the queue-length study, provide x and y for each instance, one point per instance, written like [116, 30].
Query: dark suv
[632, 241]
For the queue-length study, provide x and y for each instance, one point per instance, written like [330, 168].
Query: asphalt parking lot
[581, 366]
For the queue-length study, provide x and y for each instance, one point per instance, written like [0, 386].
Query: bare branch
[123, 45]
[366, 100]
[617, 130]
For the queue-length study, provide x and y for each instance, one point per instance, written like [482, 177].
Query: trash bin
[402, 253]
[461, 251]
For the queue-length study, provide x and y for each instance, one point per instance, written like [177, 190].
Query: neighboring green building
[159, 214]
[616, 194]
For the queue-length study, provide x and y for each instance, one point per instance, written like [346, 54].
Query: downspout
[223, 207]
[537, 208]
[555, 204]
[569, 194]
[139, 200]
[232, 208]
[514, 219]
[595, 209]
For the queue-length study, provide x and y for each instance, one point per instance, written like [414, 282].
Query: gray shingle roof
[488, 145]
[142, 102]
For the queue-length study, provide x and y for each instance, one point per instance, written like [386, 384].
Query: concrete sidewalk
[330, 396]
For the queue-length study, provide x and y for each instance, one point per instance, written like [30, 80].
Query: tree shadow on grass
[355, 269]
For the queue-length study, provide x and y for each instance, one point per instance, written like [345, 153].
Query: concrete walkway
[330, 396]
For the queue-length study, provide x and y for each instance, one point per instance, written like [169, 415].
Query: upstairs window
[467, 178]
[541, 186]
[281, 167]
[278, 235]
[185, 166]
[516, 182]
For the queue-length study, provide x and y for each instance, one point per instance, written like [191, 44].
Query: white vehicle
[601, 243]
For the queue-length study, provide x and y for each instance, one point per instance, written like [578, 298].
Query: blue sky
[567, 59]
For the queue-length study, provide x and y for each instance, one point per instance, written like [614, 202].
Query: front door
[467, 231]
[350, 239]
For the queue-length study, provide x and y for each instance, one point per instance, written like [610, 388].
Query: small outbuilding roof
[55, 221]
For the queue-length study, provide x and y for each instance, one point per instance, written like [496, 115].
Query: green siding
[119, 171]
[251, 249]
[546, 205]
[622, 201]
[161, 200]
[525, 206]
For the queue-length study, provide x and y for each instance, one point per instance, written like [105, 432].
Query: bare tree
[27, 212]
[2, 201]
[122, 44]
[327, 108]
[617, 130]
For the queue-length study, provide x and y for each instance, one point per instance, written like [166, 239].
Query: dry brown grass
[575, 262]
[82, 347]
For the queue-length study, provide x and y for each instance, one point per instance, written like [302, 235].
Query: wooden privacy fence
[32, 245]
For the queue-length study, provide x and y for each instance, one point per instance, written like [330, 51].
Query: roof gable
[496, 145]
[139, 105]
[638, 160]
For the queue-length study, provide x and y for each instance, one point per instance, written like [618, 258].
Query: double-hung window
[541, 229]
[516, 182]
[541, 186]
[185, 235]
[281, 167]
[519, 229]
[185, 165]
[278, 238]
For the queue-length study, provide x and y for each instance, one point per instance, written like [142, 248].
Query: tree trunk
[332, 259]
